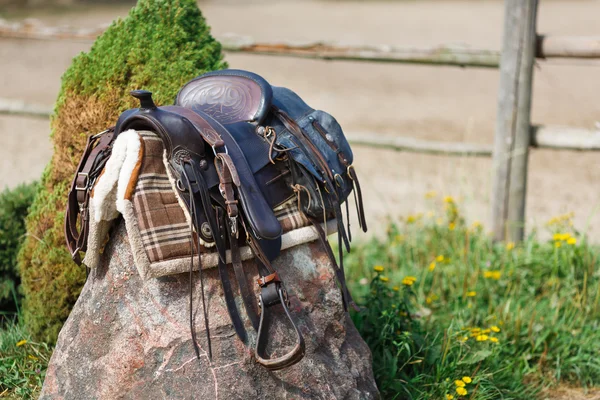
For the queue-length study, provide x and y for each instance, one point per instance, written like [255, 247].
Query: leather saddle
[236, 149]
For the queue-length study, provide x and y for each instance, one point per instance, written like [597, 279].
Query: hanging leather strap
[247, 294]
[234, 315]
[97, 151]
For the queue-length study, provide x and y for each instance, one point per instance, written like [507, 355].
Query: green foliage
[23, 363]
[13, 210]
[161, 45]
[445, 302]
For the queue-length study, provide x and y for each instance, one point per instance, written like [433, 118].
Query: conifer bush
[160, 45]
[14, 204]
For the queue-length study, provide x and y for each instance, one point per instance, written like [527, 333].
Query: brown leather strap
[90, 166]
[247, 295]
[228, 176]
[358, 199]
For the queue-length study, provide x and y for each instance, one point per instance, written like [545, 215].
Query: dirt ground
[441, 103]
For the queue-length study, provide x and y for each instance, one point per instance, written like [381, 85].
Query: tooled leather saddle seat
[237, 148]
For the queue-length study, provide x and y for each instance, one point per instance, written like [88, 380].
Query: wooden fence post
[511, 143]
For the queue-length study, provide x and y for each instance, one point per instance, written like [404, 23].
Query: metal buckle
[97, 135]
[215, 150]
[348, 171]
[234, 230]
[87, 181]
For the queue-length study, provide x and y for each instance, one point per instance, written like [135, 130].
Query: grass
[450, 314]
[23, 362]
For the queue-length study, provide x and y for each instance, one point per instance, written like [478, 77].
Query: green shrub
[161, 45]
[443, 302]
[14, 204]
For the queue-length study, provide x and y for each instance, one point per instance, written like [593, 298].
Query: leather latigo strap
[97, 151]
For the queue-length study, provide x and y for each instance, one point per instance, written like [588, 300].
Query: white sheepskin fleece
[110, 189]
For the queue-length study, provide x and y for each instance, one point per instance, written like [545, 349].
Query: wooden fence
[514, 132]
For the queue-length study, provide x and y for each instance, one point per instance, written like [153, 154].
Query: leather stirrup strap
[234, 315]
[273, 293]
[247, 294]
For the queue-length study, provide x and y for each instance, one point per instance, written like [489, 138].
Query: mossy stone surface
[160, 45]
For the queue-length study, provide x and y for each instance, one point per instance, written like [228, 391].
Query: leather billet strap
[273, 293]
[97, 151]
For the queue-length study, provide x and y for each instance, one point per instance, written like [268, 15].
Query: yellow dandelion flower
[432, 266]
[472, 293]
[440, 258]
[21, 342]
[494, 339]
[428, 300]
[32, 357]
[565, 236]
[431, 194]
[475, 330]
[463, 339]
[407, 282]
[449, 397]
[510, 245]
[482, 338]
[452, 226]
[467, 379]
[461, 391]
[557, 244]
[572, 241]
[448, 199]
[494, 328]
[395, 288]
[459, 383]
[487, 274]
[486, 331]
[496, 275]
[384, 279]
[378, 268]
[556, 236]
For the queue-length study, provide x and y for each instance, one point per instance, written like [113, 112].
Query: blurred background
[425, 102]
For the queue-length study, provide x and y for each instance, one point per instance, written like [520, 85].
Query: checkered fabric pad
[164, 229]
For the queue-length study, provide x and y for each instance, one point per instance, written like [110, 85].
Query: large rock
[129, 338]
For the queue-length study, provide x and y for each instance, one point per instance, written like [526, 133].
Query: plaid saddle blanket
[136, 185]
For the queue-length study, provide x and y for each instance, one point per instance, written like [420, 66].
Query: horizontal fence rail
[448, 55]
[550, 137]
